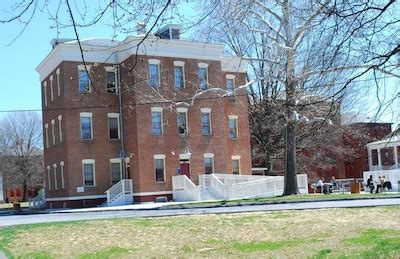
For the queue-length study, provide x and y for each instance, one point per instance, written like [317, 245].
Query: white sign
[80, 189]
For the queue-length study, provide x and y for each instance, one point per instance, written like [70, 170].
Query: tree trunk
[25, 191]
[290, 161]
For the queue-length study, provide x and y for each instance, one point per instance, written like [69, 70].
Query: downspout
[121, 127]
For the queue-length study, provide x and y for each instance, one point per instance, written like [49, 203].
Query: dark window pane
[230, 85]
[88, 174]
[156, 123]
[113, 128]
[159, 168]
[179, 78]
[154, 75]
[374, 154]
[115, 172]
[111, 82]
[86, 128]
[208, 165]
[182, 128]
[235, 166]
[233, 128]
[205, 123]
[202, 78]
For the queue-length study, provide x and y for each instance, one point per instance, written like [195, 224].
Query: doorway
[185, 167]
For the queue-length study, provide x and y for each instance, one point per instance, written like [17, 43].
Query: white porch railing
[38, 202]
[184, 189]
[393, 176]
[120, 193]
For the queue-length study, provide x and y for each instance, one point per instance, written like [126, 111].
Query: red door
[185, 169]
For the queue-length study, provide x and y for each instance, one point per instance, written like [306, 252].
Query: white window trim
[89, 161]
[55, 177]
[235, 157]
[158, 109]
[202, 65]
[182, 109]
[233, 117]
[113, 70]
[82, 68]
[45, 92]
[51, 88]
[116, 161]
[59, 127]
[113, 115]
[58, 81]
[206, 110]
[48, 178]
[160, 156]
[86, 114]
[180, 64]
[208, 155]
[154, 62]
[53, 122]
[110, 69]
[46, 129]
[62, 175]
[229, 76]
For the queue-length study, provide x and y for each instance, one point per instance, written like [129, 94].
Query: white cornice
[152, 46]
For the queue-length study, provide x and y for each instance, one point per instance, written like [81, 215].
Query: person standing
[370, 184]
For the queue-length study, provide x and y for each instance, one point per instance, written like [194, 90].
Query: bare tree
[20, 142]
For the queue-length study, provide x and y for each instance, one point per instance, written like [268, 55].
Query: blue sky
[20, 88]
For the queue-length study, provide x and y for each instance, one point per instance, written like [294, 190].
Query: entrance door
[185, 168]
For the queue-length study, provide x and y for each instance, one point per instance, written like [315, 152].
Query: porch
[228, 187]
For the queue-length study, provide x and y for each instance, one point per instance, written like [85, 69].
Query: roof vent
[169, 32]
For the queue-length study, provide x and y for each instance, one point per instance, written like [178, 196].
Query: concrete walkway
[146, 211]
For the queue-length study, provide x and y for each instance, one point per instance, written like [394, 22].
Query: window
[179, 74]
[86, 126]
[46, 131]
[53, 122]
[182, 121]
[84, 78]
[45, 92]
[235, 164]
[62, 175]
[58, 81]
[374, 154]
[48, 178]
[209, 163]
[157, 120]
[159, 167]
[51, 88]
[55, 177]
[110, 80]
[88, 173]
[203, 76]
[233, 133]
[206, 121]
[230, 84]
[154, 73]
[59, 127]
[116, 170]
[113, 125]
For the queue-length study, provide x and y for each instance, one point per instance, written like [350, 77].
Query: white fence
[228, 186]
[121, 193]
[38, 202]
[392, 176]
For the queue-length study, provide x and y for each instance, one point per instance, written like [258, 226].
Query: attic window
[170, 32]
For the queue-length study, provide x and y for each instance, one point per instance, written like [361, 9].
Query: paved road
[58, 217]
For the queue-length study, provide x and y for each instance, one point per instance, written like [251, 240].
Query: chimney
[141, 28]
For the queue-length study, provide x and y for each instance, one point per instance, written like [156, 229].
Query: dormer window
[169, 32]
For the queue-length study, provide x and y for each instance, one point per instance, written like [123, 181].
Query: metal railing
[38, 202]
[184, 189]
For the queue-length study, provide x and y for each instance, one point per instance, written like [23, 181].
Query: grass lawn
[357, 233]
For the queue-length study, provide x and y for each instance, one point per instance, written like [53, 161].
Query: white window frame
[231, 77]
[182, 65]
[204, 65]
[235, 157]
[160, 156]
[113, 115]
[46, 131]
[112, 70]
[58, 82]
[45, 92]
[185, 111]
[48, 178]
[116, 161]
[62, 175]
[82, 68]
[55, 177]
[209, 155]
[157, 109]
[53, 122]
[86, 162]
[51, 88]
[59, 127]
[155, 62]
[233, 117]
[86, 115]
[206, 110]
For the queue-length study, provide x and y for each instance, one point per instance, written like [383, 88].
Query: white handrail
[123, 187]
[37, 202]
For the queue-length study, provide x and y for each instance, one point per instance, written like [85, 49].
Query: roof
[394, 137]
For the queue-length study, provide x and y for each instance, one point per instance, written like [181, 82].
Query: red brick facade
[63, 160]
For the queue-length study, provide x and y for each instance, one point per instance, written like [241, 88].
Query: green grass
[325, 233]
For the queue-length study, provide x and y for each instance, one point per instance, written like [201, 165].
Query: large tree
[22, 157]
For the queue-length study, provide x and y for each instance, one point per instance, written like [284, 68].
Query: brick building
[143, 112]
